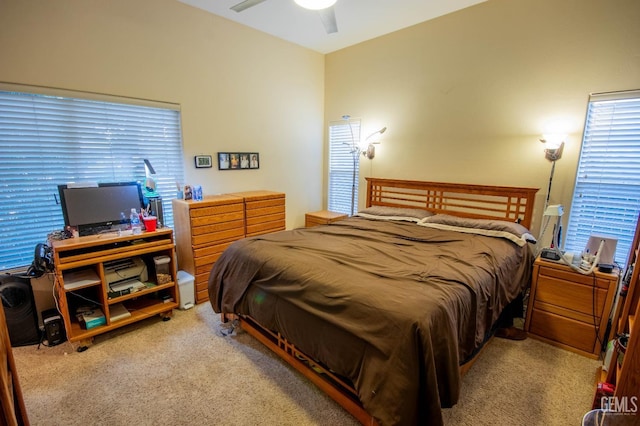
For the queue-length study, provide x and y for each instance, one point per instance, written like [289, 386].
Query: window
[606, 198]
[50, 140]
[344, 161]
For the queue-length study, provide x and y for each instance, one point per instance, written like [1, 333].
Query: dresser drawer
[209, 254]
[567, 331]
[276, 201]
[264, 211]
[214, 237]
[265, 227]
[221, 209]
[201, 282]
[213, 227]
[206, 220]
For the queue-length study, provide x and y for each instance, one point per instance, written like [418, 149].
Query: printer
[125, 275]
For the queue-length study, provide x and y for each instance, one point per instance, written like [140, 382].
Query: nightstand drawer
[567, 331]
[570, 296]
[567, 274]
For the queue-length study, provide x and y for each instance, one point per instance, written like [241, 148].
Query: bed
[385, 310]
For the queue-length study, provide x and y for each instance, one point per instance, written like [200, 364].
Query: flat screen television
[95, 209]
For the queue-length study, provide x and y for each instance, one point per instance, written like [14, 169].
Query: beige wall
[239, 89]
[467, 96]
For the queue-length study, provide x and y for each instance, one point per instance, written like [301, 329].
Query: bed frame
[474, 201]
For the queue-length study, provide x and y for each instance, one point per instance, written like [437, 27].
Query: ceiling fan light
[315, 4]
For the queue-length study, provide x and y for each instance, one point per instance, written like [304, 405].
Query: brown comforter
[393, 306]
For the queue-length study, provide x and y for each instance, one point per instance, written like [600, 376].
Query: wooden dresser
[569, 309]
[204, 229]
[264, 212]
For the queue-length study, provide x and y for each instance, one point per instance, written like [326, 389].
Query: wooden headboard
[474, 201]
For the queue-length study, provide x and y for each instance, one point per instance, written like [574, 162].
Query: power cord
[596, 326]
[568, 262]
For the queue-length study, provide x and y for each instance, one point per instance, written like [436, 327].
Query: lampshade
[554, 145]
[315, 4]
[553, 140]
[368, 148]
[149, 167]
[554, 210]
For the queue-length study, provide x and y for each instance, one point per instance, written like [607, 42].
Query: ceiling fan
[324, 8]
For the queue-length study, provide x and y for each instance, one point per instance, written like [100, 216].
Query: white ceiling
[358, 20]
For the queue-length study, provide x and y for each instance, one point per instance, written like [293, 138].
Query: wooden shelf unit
[88, 255]
[626, 376]
[566, 308]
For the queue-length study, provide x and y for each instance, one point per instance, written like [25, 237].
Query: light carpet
[184, 371]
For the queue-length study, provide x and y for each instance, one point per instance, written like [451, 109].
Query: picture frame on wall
[202, 161]
[224, 162]
[238, 160]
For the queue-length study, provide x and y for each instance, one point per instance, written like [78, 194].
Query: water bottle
[136, 228]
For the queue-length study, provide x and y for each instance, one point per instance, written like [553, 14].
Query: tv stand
[81, 282]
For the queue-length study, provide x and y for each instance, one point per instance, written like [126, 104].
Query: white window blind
[344, 159]
[51, 140]
[606, 198]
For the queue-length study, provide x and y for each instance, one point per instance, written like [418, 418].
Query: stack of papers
[118, 312]
[80, 278]
[133, 285]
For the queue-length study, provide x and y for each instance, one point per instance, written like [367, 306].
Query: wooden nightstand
[562, 310]
[323, 217]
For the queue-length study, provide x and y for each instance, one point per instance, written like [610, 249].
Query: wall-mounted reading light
[369, 148]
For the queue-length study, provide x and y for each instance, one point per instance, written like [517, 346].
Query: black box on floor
[53, 327]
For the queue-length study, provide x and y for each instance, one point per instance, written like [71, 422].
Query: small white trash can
[187, 292]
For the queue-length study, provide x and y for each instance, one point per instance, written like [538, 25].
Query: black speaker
[19, 310]
[156, 210]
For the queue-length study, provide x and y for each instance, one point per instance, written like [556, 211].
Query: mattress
[395, 306]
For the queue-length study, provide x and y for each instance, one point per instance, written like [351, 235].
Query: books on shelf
[118, 312]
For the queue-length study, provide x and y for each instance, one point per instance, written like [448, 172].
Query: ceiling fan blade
[328, 17]
[246, 4]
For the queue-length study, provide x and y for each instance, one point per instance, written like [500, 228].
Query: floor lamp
[354, 154]
[554, 145]
[552, 152]
[368, 150]
[353, 150]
